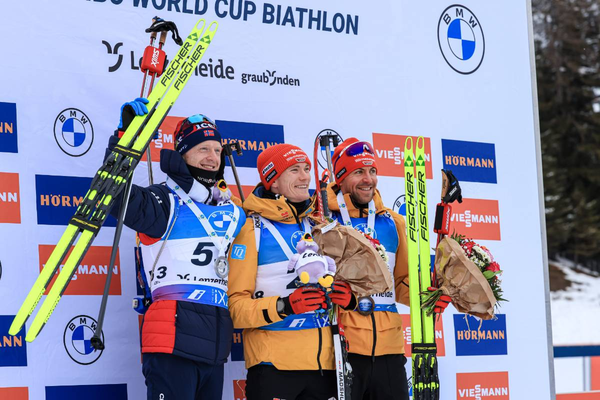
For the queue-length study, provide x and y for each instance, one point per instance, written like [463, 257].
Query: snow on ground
[576, 309]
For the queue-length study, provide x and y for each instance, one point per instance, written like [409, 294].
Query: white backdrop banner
[379, 71]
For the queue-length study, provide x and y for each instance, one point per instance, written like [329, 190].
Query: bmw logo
[461, 40]
[73, 132]
[220, 220]
[363, 228]
[77, 340]
[400, 205]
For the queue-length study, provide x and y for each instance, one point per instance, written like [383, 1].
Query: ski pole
[443, 213]
[96, 340]
[228, 149]
[153, 63]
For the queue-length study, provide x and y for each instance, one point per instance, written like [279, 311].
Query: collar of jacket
[277, 209]
[332, 191]
[173, 164]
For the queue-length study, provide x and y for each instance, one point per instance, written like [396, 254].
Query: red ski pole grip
[153, 61]
[443, 214]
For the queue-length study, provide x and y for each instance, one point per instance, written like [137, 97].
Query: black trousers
[382, 379]
[265, 382]
[170, 377]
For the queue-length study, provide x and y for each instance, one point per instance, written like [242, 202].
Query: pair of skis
[424, 360]
[109, 182]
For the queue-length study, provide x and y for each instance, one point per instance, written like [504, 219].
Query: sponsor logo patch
[14, 393]
[482, 386]
[10, 198]
[476, 219]
[238, 252]
[57, 198]
[473, 339]
[90, 275]
[88, 392]
[470, 161]
[13, 349]
[389, 154]
[73, 132]
[237, 346]
[239, 389]
[253, 139]
[8, 128]
[77, 340]
[461, 39]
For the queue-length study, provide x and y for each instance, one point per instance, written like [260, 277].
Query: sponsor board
[57, 198]
[8, 128]
[88, 392]
[253, 139]
[13, 349]
[470, 161]
[439, 336]
[476, 337]
[476, 219]
[461, 39]
[77, 340]
[389, 153]
[237, 346]
[10, 198]
[90, 275]
[14, 393]
[482, 386]
[239, 389]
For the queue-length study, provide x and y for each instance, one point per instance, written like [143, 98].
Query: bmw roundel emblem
[461, 40]
[73, 132]
[77, 340]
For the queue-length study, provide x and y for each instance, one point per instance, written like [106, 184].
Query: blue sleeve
[148, 208]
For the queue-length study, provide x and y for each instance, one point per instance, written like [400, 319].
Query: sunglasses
[355, 149]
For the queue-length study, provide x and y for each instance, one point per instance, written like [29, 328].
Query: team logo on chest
[220, 220]
[296, 237]
[364, 228]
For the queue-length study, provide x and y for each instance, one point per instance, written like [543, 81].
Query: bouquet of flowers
[468, 274]
[360, 260]
[378, 246]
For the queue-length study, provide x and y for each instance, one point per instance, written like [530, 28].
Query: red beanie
[276, 159]
[351, 155]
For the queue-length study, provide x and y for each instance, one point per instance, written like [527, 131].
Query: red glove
[442, 303]
[342, 295]
[304, 299]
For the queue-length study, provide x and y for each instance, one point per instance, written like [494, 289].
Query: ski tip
[213, 26]
[420, 142]
[200, 24]
[15, 328]
[408, 144]
[32, 334]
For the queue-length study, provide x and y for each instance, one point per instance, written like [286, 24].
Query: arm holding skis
[148, 208]
[401, 265]
[247, 311]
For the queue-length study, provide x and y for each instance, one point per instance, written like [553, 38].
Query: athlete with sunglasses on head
[374, 329]
[186, 226]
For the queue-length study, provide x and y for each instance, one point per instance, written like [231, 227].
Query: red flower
[494, 267]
